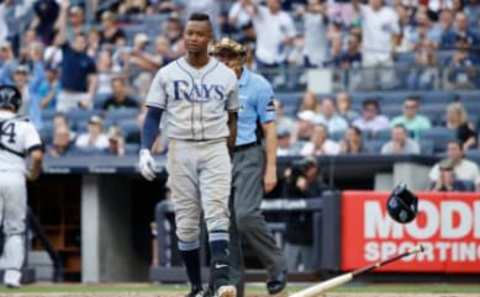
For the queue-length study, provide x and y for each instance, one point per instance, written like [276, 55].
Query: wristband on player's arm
[150, 127]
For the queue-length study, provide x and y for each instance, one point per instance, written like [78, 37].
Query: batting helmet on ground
[402, 204]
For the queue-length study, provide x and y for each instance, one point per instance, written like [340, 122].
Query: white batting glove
[147, 165]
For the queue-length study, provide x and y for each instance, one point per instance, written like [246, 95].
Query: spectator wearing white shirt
[284, 142]
[371, 121]
[344, 107]
[283, 121]
[436, 6]
[463, 169]
[275, 32]
[315, 50]
[330, 118]
[238, 15]
[94, 138]
[319, 143]
[380, 28]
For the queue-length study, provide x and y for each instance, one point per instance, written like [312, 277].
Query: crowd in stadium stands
[84, 68]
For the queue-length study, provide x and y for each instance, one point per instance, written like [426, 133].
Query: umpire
[254, 168]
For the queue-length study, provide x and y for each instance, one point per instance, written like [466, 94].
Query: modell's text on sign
[448, 226]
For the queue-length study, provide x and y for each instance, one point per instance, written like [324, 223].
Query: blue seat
[382, 135]
[290, 110]
[466, 96]
[46, 133]
[444, 56]
[437, 97]
[426, 147]
[77, 115]
[374, 146]
[473, 154]
[131, 148]
[81, 126]
[128, 127]
[285, 97]
[434, 111]
[99, 100]
[362, 96]
[48, 114]
[472, 106]
[405, 59]
[86, 152]
[337, 136]
[391, 110]
[121, 114]
[440, 136]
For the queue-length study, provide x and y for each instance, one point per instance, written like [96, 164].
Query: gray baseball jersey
[196, 101]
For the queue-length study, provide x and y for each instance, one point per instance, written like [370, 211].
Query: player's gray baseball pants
[13, 210]
[199, 178]
[248, 170]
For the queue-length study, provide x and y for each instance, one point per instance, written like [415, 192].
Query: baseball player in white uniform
[18, 140]
[198, 94]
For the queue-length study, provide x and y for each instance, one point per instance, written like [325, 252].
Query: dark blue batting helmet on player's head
[10, 97]
[402, 205]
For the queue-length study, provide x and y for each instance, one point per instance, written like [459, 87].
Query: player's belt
[246, 146]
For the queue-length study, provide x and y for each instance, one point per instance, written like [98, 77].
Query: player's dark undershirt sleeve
[150, 126]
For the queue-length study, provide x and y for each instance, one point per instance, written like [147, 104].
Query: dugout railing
[326, 245]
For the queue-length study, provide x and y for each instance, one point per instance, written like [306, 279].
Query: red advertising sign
[448, 226]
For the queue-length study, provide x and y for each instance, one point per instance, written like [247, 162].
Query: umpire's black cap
[402, 205]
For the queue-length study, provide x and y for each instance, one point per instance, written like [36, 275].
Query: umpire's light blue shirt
[256, 106]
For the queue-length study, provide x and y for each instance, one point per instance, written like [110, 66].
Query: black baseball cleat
[277, 283]
[196, 292]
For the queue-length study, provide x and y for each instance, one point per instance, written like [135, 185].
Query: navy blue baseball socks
[220, 265]
[190, 252]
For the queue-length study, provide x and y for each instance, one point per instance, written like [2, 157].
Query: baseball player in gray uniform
[254, 168]
[198, 94]
[18, 140]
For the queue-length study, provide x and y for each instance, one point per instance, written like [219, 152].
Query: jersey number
[9, 131]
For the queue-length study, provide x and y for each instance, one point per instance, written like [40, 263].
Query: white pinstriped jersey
[17, 137]
[196, 101]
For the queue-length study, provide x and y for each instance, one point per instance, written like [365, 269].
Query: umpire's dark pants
[249, 225]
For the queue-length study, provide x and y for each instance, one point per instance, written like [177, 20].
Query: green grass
[251, 289]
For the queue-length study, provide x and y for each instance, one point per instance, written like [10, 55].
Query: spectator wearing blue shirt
[78, 70]
[8, 63]
[49, 89]
[352, 56]
[424, 28]
[425, 73]
[445, 24]
[330, 118]
[461, 72]
[472, 10]
[349, 58]
[461, 30]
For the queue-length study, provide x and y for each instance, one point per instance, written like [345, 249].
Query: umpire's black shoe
[196, 292]
[277, 283]
[209, 291]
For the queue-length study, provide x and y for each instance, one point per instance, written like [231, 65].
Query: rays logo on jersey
[197, 92]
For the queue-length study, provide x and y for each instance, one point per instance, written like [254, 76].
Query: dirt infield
[252, 295]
